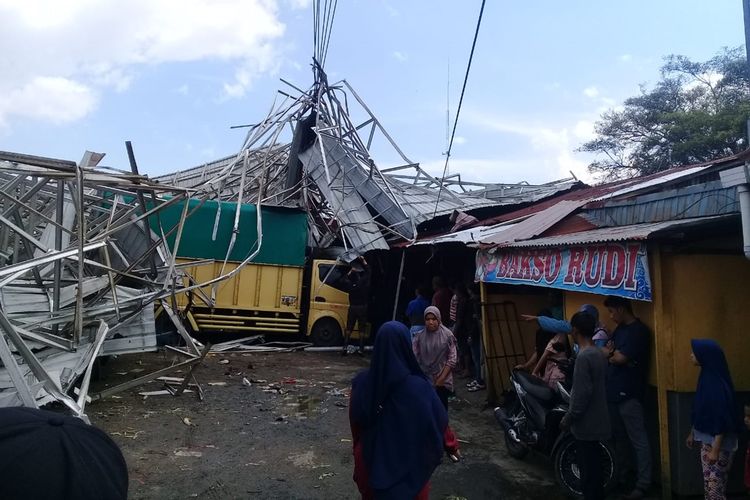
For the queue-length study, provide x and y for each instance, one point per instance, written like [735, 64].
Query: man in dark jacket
[588, 416]
[626, 383]
[358, 287]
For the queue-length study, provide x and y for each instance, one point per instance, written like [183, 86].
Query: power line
[448, 108]
[458, 109]
[323, 16]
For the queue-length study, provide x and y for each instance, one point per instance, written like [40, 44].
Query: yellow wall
[641, 309]
[574, 301]
[710, 298]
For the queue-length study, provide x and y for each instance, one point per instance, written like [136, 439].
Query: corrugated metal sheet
[654, 181]
[508, 194]
[346, 203]
[419, 201]
[274, 159]
[596, 195]
[585, 194]
[621, 233]
[536, 224]
[378, 198]
[573, 224]
[735, 176]
[468, 236]
[703, 200]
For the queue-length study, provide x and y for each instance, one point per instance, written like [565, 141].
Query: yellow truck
[281, 291]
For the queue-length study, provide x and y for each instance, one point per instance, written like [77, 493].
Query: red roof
[597, 191]
[570, 224]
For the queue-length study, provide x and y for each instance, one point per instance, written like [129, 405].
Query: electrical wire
[324, 14]
[458, 109]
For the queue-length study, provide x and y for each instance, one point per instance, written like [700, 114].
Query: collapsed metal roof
[80, 269]
[222, 179]
[311, 154]
[635, 208]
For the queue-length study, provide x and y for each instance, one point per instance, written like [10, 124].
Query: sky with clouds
[173, 76]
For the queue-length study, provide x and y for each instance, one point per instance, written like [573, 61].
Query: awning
[607, 261]
[619, 233]
[534, 225]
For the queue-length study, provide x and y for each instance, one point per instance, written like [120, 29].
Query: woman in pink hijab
[435, 350]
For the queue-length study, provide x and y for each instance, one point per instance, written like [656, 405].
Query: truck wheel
[326, 332]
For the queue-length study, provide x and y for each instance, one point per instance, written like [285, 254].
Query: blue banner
[606, 269]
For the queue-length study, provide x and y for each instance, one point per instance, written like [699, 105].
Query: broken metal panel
[272, 159]
[423, 204]
[137, 334]
[63, 301]
[350, 201]
[347, 205]
[379, 198]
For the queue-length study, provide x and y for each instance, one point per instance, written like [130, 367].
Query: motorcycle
[532, 422]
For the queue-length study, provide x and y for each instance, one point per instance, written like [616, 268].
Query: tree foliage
[697, 112]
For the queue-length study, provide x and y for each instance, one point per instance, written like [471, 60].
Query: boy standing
[588, 416]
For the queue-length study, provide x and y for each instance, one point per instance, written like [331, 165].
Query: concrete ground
[286, 435]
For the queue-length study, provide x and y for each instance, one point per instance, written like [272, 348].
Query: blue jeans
[476, 357]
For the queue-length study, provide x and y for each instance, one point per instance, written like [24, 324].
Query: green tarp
[284, 232]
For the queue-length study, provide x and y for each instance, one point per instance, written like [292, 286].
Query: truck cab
[329, 303]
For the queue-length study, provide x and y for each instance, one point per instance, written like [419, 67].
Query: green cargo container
[284, 232]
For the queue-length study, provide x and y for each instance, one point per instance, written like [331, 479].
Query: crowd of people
[399, 406]
[406, 393]
[608, 386]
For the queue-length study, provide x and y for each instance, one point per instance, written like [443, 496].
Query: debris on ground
[258, 433]
[187, 453]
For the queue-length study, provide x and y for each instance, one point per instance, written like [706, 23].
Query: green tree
[697, 112]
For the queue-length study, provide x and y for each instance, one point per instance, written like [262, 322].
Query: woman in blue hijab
[397, 420]
[715, 416]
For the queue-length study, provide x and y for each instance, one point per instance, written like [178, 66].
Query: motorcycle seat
[535, 386]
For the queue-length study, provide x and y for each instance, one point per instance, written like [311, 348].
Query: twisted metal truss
[81, 266]
[315, 156]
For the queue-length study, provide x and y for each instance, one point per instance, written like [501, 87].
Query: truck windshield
[333, 275]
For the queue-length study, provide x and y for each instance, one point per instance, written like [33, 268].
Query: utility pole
[746, 11]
